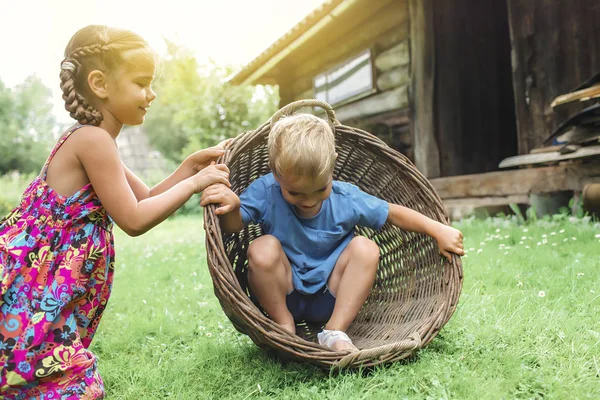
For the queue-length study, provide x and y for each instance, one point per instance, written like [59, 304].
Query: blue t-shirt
[313, 245]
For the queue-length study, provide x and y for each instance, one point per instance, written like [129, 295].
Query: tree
[26, 126]
[196, 108]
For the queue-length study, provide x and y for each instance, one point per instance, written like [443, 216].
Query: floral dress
[56, 272]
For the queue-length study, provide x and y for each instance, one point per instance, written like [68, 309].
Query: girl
[56, 248]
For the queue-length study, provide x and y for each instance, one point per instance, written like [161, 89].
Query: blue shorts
[316, 307]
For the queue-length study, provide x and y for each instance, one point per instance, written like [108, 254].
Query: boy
[308, 265]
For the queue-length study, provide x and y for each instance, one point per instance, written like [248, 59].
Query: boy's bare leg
[270, 279]
[351, 282]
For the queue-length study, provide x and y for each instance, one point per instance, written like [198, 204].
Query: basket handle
[290, 108]
[413, 342]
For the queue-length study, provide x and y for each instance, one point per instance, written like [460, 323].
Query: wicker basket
[416, 290]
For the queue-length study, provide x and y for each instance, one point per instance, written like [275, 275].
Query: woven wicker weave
[416, 290]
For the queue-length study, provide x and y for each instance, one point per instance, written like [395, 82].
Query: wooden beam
[581, 95]
[516, 182]
[379, 103]
[393, 78]
[394, 57]
[422, 44]
[549, 157]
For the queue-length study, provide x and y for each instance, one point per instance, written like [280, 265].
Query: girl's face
[305, 194]
[130, 94]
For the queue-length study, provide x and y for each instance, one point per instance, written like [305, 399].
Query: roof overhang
[262, 69]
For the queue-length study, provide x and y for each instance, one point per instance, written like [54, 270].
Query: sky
[34, 33]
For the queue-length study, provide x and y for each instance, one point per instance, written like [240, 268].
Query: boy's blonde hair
[302, 145]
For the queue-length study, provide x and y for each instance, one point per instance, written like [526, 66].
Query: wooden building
[456, 85]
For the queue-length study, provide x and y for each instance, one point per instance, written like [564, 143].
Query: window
[346, 82]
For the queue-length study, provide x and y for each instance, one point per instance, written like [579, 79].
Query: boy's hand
[202, 158]
[212, 174]
[449, 240]
[222, 195]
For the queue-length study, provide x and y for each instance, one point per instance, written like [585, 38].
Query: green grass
[527, 325]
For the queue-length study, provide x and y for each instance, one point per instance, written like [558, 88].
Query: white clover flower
[573, 238]
[542, 293]
[544, 235]
[561, 231]
[208, 334]
[479, 251]
[580, 274]
[526, 247]
[519, 284]
[552, 233]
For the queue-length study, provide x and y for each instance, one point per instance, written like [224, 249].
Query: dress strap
[64, 137]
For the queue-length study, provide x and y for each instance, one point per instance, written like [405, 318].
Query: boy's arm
[232, 222]
[448, 238]
[228, 211]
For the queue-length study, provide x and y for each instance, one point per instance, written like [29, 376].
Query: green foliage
[26, 124]
[13, 185]
[195, 108]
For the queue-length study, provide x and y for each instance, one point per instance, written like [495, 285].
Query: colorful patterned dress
[56, 272]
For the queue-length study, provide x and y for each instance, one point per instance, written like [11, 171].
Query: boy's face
[305, 194]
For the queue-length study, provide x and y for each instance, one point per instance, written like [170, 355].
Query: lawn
[527, 325]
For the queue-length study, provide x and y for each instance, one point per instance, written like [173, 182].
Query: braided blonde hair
[96, 47]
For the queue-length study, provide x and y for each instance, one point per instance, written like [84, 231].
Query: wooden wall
[556, 47]
[463, 107]
[380, 25]
[442, 67]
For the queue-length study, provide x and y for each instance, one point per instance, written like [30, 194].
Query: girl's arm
[189, 167]
[449, 239]
[98, 155]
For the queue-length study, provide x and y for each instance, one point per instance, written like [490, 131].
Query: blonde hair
[97, 47]
[302, 145]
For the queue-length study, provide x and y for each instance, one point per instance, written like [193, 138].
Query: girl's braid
[75, 103]
[93, 49]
